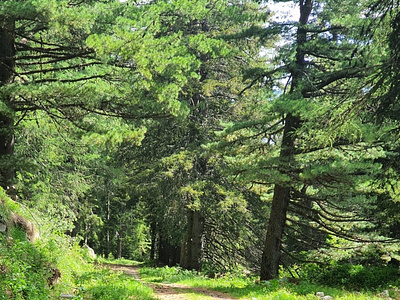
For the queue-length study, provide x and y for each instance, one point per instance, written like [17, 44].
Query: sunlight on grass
[108, 285]
[245, 287]
[118, 261]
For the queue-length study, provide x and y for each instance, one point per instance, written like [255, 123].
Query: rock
[3, 227]
[322, 296]
[90, 252]
[246, 273]
[385, 293]
[67, 296]
[26, 225]
[55, 275]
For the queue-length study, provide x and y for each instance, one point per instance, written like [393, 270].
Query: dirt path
[172, 291]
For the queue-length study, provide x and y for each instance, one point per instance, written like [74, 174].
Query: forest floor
[172, 291]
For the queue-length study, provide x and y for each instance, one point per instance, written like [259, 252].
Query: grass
[118, 261]
[103, 284]
[242, 287]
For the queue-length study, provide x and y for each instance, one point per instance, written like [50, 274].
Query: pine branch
[79, 66]
[70, 80]
[55, 57]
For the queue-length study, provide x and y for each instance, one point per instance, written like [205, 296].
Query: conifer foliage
[205, 133]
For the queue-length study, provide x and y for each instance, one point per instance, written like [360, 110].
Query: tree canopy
[208, 134]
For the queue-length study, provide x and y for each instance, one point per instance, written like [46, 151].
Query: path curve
[170, 291]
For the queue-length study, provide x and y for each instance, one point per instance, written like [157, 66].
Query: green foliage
[108, 285]
[115, 102]
[349, 276]
[24, 268]
[170, 274]
[245, 287]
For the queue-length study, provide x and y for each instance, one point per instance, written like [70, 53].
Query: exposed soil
[172, 291]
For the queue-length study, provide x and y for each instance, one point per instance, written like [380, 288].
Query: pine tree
[310, 150]
[203, 53]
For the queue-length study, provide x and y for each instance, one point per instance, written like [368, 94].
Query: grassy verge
[87, 279]
[118, 261]
[242, 287]
[53, 263]
[108, 285]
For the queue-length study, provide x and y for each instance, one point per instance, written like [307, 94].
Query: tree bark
[280, 201]
[193, 246]
[197, 241]
[186, 247]
[162, 255]
[153, 240]
[119, 246]
[7, 67]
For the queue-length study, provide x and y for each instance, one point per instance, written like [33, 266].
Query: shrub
[23, 268]
[351, 276]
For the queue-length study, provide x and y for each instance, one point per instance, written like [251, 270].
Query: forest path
[173, 291]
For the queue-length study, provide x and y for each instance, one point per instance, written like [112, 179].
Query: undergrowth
[248, 287]
[109, 285]
[23, 269]
[54, 264]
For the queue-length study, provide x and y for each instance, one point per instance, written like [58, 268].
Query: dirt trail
[172, 291]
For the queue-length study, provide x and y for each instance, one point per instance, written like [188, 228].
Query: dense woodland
[213, 134]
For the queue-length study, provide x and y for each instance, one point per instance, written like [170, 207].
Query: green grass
[26, 267]
[246, 288]
[103, 284]
[118, 261]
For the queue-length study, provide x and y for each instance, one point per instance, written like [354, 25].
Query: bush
[351, 276]
[23, 269]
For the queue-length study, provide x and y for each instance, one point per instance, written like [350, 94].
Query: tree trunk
[7, 67]
[197, 241]
[183, 262]
[162, 250]
[153, 240]
[280, 201]
[119, 246]
[192, 248]
[186, 247]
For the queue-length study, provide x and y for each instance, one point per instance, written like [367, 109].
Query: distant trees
[179, 185]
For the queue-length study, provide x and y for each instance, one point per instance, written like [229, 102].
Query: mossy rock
[12, 215]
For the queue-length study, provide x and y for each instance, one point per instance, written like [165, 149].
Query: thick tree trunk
[183, 262]
[7, 172]
[7, 67]
[192, 248]
[197, 241]
[186, 247]
[280, 201]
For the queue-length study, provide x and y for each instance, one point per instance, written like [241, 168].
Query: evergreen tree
[312, 148]
[203, 52]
